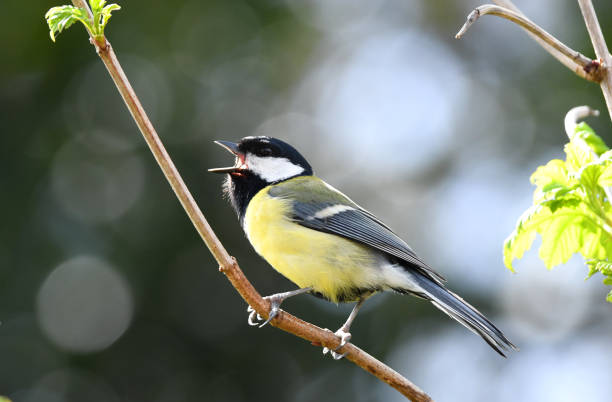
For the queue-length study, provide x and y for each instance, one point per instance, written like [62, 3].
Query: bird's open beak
[233, 148]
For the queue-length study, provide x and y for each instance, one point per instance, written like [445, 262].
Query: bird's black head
[260, 161]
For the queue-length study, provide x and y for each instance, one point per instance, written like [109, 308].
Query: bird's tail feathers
[464, 313]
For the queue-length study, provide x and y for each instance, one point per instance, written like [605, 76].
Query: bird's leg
[275, 301]
[343, 331]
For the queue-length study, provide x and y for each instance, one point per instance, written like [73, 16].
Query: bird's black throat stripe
[242, 188]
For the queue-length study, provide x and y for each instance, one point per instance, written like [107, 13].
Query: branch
[601, 49]
[575, 61]
[228, 264]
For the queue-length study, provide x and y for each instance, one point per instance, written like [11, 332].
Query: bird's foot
[254, 317]
[275, 302]
[344, 338]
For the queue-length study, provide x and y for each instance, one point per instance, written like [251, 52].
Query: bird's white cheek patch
[272, 169]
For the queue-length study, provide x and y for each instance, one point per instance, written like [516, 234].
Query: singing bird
[325, 243]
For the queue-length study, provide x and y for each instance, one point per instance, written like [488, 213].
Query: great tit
[325, 243]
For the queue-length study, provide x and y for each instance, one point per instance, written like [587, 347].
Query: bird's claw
[334, 355]
[344, 338]
[254, 317]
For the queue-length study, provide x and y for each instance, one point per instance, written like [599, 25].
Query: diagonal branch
[601, 49]
[575, 61]
[228, 264]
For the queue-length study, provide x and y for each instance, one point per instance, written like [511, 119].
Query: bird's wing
[319, 206]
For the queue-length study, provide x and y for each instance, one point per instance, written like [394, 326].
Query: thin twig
[588, 72]
[228, 264]
[577, 62]
[601, 49]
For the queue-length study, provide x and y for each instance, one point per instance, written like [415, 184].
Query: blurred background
[108, 295]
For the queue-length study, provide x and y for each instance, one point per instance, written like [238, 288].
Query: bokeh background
[108, 295]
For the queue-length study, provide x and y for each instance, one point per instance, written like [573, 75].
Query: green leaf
[521, 239]
[570, 209]
[567, 202]
[606, 156]
[106, 13]
[584, 132]
[553, 173]
[60, 18]
[562, 236]
[565, 230]
[603, 266]
[578, 154]
[609, 297]
[592, 265]
[516, 245]
[96, 5]
[594, 242]
[551, 177]
[605, 178]
[101, 15]
[589, 175]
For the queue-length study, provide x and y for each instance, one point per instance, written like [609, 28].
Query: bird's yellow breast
[309, 258]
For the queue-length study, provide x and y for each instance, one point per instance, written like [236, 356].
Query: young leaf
[106, 13]
[570, 208]
[550, 177]
[559, 202]
[554, 172]
[605, 178]
[516, 245]
[578, 154]
[96, 5]
[584, 132]
[592, 265]
[603, 266]
[521, 239]
[589, 177]
[62, 17]
[566, 233]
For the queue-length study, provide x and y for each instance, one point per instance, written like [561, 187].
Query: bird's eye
[265, 152]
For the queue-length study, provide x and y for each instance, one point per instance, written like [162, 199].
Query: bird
[325, 243]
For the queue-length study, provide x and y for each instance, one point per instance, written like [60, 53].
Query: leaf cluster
[62, 17]
[571, 209]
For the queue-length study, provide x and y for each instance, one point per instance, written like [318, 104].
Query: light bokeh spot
[96, 189]
[84, 305]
